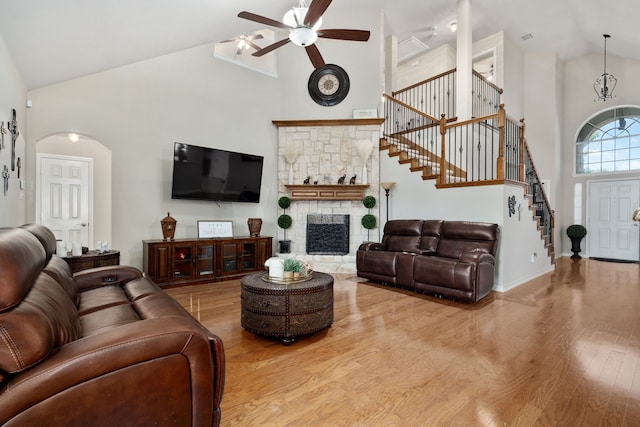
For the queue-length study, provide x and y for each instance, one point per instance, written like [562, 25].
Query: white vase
[364, 174]
[290, 173]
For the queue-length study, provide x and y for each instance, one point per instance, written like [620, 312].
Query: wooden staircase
[487, 150]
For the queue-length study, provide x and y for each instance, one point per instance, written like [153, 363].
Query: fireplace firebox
[327, 234]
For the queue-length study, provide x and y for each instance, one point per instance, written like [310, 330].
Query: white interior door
[64, 199]
[611, 231]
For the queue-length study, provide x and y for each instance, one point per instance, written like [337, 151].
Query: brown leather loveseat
[106, 347]
[455, 259]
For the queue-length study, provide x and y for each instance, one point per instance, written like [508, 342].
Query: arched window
[609, 142]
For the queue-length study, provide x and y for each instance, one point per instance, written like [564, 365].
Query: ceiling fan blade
[253, 45]
[230, 40]
[353, 35]
[271, 47]
[314, 56]
[263, 20]
[317, 8]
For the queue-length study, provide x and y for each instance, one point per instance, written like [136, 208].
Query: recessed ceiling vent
[410, 48]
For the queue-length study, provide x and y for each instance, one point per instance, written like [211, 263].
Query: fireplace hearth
[327, 234]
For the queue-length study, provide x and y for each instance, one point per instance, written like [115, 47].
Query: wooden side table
[286, 310]
[92, 259]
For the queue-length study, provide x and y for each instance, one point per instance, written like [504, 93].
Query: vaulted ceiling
[53, 41]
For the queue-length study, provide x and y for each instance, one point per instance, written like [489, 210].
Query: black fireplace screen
[327, 234]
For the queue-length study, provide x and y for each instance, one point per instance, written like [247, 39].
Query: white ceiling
[53, 41]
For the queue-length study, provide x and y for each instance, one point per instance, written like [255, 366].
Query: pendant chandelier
[605, 84]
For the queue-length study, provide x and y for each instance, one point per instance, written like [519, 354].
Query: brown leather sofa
[106, 347]
[454, 259]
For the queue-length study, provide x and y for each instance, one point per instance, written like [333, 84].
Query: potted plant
[576, 233]
[291, 266]
[368, 221]
[284, 222]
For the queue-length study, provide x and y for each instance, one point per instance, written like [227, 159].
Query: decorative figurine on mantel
[168, 227]
[341, 179]
[307, 180]
[353, 179]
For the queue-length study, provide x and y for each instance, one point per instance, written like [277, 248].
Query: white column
[464, 59]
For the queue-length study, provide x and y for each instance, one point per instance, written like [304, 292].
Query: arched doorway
[65, 149]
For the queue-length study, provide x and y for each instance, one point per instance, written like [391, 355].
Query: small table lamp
[387, 186]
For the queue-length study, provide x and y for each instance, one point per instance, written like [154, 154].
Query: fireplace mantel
[327, 192]
[336, 122]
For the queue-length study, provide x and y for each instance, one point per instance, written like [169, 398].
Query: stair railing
[535, 190]
[485, 95]
[437, 95]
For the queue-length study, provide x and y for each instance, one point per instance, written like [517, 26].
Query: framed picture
[215, 229]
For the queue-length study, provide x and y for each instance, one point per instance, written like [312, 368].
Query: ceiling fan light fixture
[303, 36]
[295, 17]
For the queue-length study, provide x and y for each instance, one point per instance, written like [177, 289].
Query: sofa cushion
[61, 273]
[430, 235]
[99, 298]
[21, 262]
[402, 235]
[459, 237]
[106, 318]
[45, 319]
[44, 235]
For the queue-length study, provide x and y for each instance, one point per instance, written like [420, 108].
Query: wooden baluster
[501, 141]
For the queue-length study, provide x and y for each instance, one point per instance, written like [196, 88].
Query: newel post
[443, 132]
[521, 160]
[501, 138]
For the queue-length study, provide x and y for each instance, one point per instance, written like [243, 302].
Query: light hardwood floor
[563, 349]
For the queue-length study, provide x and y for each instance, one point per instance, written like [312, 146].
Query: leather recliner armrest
[103, 276]
[477, 257]
[370, 246]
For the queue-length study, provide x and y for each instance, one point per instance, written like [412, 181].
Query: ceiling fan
[245, 42]
[303, 23]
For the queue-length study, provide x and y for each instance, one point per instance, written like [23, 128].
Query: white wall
[13, 95]
[137, 111]
[543, 121]
[513, 82]
[425, 66]
[579, 105]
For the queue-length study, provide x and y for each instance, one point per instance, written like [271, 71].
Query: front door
[611, 232]
[64, 197]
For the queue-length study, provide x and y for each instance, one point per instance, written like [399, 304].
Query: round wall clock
[328, 85]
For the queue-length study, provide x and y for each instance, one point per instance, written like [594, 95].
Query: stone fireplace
[321, 152]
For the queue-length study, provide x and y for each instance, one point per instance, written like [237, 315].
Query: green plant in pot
[284, 222]
[576, 233]
[291, 266]
[369, 221]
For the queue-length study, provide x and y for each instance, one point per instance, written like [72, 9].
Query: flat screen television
[202, 173]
